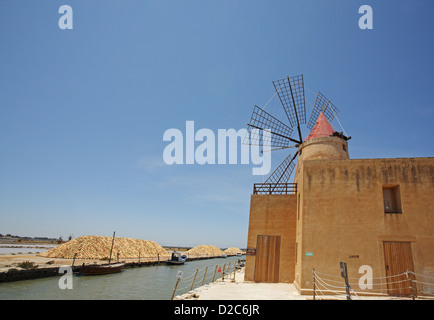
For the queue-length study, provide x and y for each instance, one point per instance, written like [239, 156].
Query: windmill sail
[282, 173]
[262, 120]
[291, 95]
[326, 106]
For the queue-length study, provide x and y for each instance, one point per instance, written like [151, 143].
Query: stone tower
[323, 143]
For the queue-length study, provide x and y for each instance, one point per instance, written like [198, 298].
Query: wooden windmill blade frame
[277, 182]
[282, 173]
[322, 103]
[291, 94]
[279, 131]
[290, 91]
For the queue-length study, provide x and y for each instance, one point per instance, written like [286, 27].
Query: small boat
[239, 254]
[224, 256]
[95, 269]
[176, 258]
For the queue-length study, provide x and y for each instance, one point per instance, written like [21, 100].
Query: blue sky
[83, 111]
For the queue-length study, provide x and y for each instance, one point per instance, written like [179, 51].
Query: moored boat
[95, 269]
[176, 258]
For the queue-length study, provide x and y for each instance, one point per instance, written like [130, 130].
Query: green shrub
[27, 265]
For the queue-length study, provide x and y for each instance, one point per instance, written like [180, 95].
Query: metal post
[73, 260]
[113, 241]
[176, 285]
[215, 270]
[229, 269]
[234, 273]
[347, 289]
[344, 274]
[408, 274]
[192, 284]
[223, 272]
[203, 280]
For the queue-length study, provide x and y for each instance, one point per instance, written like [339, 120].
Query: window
[392, 199]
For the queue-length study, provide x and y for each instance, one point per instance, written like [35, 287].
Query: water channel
[148, 283]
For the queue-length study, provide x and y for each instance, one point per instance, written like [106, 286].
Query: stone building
[365, 212]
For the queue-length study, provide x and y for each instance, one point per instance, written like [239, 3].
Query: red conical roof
[322, 128]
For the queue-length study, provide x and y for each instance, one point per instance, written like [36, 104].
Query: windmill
[290, 91]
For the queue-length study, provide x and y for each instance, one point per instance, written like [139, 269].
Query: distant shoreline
[29, 241]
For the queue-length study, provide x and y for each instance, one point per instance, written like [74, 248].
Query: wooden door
[398, 259]
[267, 258]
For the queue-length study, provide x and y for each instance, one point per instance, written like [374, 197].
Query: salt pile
[204, 250]
[98, 247]
[232, 251]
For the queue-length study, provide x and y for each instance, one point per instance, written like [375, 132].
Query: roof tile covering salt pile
[98, 247]
[204, 250]
[322, 128]
[232, 251]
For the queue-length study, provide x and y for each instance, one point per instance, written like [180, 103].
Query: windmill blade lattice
[322, 104]
[291, 95]
[282, 173]
[290, 91]
[262, 120]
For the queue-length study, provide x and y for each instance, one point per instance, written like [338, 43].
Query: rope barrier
[401, 274]
[421, 275]
[428, 293]
[200, 277]
[406, 281]
[337, 294]
[329, 285]
[190, 276]
[351, 289]
[425, 283]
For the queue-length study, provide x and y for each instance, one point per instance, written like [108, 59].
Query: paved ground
[249, 291]
[246, 290]
[241, 290]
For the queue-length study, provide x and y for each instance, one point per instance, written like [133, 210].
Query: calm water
[23, 249]
[149, 283]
